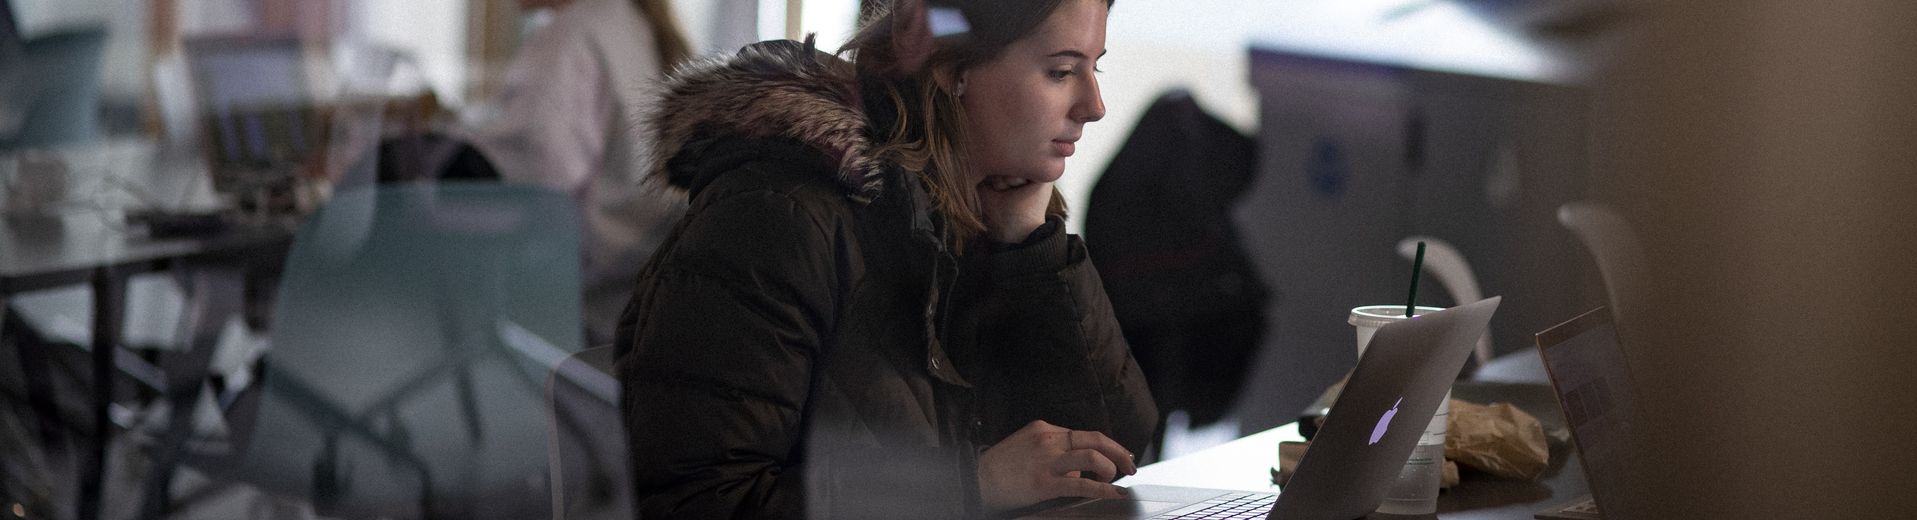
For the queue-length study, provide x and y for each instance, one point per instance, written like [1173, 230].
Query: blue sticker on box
[1328, 171]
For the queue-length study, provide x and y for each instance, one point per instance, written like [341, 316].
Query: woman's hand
[1013, 207]
[1042, 462]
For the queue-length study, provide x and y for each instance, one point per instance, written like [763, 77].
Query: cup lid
[1379, 315]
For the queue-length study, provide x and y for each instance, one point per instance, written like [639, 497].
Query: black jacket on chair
[1159, 227]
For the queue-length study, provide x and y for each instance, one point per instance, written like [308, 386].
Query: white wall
[718, 25]
[1200, 45]
[432, 32]
[214, 16]
[832, 20]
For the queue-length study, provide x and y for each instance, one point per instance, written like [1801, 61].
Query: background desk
[1245, 464]
[92, 248]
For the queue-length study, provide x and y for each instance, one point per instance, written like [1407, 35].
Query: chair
[1620, 258]
[586, 439]
[1445, 263]
[412, 329]
[61, 79]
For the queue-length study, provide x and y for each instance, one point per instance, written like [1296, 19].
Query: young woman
[871, 309]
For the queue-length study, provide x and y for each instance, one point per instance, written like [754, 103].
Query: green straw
[1417, 266]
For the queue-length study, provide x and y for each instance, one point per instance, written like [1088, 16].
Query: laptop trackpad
[1114, 508]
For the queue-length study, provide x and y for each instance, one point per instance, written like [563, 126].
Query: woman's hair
[667, 39]
[917, 120]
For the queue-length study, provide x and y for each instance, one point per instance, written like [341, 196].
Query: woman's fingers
[1013, 207]
[1122, 459]
[1086, 461]
[1038, 428]
[1042, 461]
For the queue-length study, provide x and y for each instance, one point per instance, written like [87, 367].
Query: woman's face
[1026, 109]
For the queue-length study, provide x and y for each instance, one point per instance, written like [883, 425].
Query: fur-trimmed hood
[770, 89]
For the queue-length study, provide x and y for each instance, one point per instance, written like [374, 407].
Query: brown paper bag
[1498, 439]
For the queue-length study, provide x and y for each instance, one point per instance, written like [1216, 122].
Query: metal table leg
[215, 295]
[108, 305]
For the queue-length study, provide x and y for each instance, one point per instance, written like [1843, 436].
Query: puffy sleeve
[721, 359]
[1053, 349]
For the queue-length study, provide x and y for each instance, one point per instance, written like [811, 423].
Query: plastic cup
[1368, 319]
[1415, 491]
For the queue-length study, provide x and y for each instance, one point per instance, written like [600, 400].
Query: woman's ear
[950, 79]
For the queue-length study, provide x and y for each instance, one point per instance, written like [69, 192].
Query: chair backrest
[1447, 264]
[412, 330]
[586, 440]
[1615, 247]
[59, 96]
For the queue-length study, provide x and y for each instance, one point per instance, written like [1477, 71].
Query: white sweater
[568, 118]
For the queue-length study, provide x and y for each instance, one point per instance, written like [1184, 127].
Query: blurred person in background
[872, 308]
[567, 117]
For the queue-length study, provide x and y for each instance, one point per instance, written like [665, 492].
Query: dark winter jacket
[804, 345]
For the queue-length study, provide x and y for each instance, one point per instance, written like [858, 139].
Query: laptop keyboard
[1227, 507]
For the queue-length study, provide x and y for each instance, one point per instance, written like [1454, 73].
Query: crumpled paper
[1498, 439]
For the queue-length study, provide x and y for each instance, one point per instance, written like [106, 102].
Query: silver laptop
[259, 120]
[1364, 442]
[1593, 384]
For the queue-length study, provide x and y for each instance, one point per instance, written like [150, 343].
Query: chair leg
[213, 294]
[35, 365]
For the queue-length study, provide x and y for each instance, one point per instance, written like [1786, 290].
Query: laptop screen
[1593, 384]
[254, 99]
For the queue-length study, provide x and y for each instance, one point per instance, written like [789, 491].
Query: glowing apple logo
[1378, 431]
